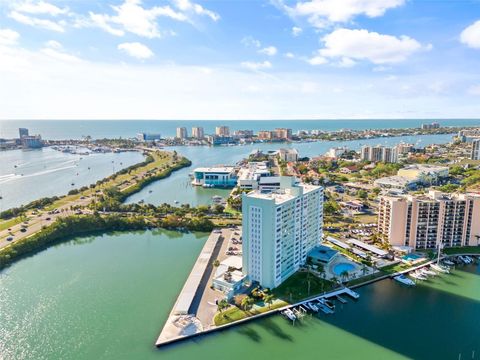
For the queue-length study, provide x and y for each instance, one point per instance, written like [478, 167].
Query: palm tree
[268, 299]
[222, 305]
[246, 303]
[344, 275]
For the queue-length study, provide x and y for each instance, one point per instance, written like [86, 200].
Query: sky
[234, 60]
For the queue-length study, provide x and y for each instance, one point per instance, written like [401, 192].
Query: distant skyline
[215, 60]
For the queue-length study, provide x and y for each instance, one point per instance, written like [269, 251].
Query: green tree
[268, 299]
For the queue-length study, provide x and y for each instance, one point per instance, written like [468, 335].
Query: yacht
[448, 262]
[417, 276]
[313, 307]
[427, 271]
[439, 268]
[404, 280]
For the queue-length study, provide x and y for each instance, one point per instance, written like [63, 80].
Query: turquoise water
[100, 129]
[27, 175]
[107, 297]
[340, 268]
[412, 257]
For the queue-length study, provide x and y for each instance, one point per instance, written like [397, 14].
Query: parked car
[10, 238]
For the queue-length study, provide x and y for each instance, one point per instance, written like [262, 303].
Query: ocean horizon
[76, 129]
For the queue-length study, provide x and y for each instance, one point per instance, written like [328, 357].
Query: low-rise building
[412, 176]
[148, 137]
[32, 142]
[224, 177]
[229, 277]
[336, 152]
[425, 221]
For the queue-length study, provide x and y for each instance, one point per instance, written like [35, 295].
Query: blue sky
[271, 59]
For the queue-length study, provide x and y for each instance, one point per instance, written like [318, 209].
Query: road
[36, 219]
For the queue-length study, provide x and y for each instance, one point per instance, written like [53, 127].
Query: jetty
[182, 322]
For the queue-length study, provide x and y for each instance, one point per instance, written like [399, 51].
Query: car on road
[10, 238]
[23, 230]
[48, 218]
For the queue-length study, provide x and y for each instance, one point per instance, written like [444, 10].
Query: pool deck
[171, 334]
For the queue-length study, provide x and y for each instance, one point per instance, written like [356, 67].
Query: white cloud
[470, 36]
[8, 37]
[53, 44]
[132, 17]
[364, 45]
[317, 60]
[136, 50]
[256, 66]
[54, 50]
[321, 13]
[58, 26]
[346, 62]
[296, 31]
[40, 7]
[289, 55]
[269, 50]
[188, 6]
[249, 41]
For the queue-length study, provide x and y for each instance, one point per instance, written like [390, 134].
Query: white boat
[404, 280]
[469, 259]
[439, 268]
[448, 262]
[313, 307]
[417, 276]
[429, 272]
[289, 314]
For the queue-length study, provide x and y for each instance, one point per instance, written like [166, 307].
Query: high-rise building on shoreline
[222, 131]
[476, 149]
[279, 228]
[197, 132]
[181, 133]
[422, 222]
[379, 153]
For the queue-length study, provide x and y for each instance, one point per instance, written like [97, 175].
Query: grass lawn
[295, 288]
[462, 250]
[230, 315]
[9, 223]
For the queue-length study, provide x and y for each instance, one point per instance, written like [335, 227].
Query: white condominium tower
[279, 228]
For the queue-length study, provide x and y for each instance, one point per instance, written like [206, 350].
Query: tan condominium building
[197, 132]
[422, 222]
[181, 133]
[283, 133]
[222, 131]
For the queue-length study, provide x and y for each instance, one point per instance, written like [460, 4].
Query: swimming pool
[341, 267]
[412, 257]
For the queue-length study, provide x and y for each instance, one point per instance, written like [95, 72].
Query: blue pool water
[412, 257]
[340, 268]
